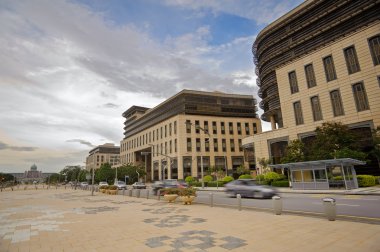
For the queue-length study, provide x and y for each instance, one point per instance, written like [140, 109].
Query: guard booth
[322, 174]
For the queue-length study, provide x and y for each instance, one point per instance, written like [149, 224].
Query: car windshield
[121, 183]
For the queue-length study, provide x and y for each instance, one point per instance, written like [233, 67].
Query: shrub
[104, 187]
[189, 191]
[260, 177]
[189, 179]
[207, 178]
[195, 183]
[377, 180]
[227, 179]
[271, 176]
[112, 187]
[214, 183]
[169, 191]
[366, 180]
[245, 176]
[280, 183]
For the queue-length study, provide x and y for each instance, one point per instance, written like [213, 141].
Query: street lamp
[93, 175]
[207, 140]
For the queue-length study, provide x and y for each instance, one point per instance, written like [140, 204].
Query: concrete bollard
[138, 193]
[130, 192]
[239, 201]
[147, 194]
[158, 194]
[277, 204]
[211, 199]
[329, 205]
[123, 191]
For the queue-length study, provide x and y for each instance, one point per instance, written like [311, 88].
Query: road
[360, 206]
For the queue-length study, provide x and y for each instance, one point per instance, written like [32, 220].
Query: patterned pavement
[73, 220]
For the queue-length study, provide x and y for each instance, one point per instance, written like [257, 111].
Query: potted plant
[187, 195]
[103, 188]
[112, 189]
[170, 194]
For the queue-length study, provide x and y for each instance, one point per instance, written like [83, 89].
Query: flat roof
[338, 161]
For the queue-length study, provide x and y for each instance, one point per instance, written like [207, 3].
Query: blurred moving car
[249, 188]
[103, 183]
[138, 185]
[120, 185]
[166, 183]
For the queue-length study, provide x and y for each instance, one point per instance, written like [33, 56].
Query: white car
[120, 185]
[103, 183]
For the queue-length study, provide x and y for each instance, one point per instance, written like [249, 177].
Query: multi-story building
[191, 130]
[320, 62]
[106, 153]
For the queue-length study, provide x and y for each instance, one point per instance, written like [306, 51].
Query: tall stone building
[106, 153]
[320, 62]
[191, 130]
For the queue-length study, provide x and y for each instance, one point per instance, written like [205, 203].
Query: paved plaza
[73, 220]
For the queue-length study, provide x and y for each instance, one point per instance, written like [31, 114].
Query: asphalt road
[360, 206]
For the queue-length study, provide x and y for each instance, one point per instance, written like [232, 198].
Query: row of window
[352, 64]
[206, 144]
[205, 127]
[157, 134]
[359, 94]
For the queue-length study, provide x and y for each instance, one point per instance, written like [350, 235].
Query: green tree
[242, 170]
[105, 173]
[294, 152]
[132, 171]
[264, 164]
[333, 139]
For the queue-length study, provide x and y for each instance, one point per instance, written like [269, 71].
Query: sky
[70, 68]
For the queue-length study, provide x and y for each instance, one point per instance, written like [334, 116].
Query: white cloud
[67, 74]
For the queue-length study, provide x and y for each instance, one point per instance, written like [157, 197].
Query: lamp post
[93, 175]
[206, 132]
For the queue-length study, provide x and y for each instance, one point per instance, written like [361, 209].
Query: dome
[33, 167]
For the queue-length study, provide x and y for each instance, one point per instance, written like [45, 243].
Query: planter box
[187, 200]
[170, 197]
[112, 192]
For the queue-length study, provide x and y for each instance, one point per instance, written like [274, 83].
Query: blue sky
[69, 68]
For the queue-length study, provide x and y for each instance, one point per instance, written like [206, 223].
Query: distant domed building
[33, 174]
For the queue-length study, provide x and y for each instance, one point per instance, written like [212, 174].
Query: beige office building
[191, 130]
[106, 153]
[320, 62]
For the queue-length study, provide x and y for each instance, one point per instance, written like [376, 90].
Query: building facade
[190, 130]
[320, 62]
[106, 153]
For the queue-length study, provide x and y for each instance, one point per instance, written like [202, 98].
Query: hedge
[366, 180]
[189, 179]
[213, 183]
[377, 180]
[227, 179]
[281, 183]
[245, 176]
[207, 178]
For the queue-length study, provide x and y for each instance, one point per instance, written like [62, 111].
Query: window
[198, 144]
[246, 128]
[170, 146]
[310, 76]
[197, 127]
[224, 145]
[215, 144]
[351, 60]
[214, 128]
[378, 80]
[175, 127]
[232, 145]
[231, 128]
[240, 145]
[166, 130]
[205, 126]
[222, 128]
[153, 135]
[161, 132]
[239, 128]
[374, 46]
[254, 128]
[157, 134]
[298, 113]
[188, 144]
[188, 126]
[207, 145]
[166, 148]
[336, 103]
[360, 96]
[150, 137]
[293, 82]
[170, 129]
[328, 63]
[316, 108]
[175, 145]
